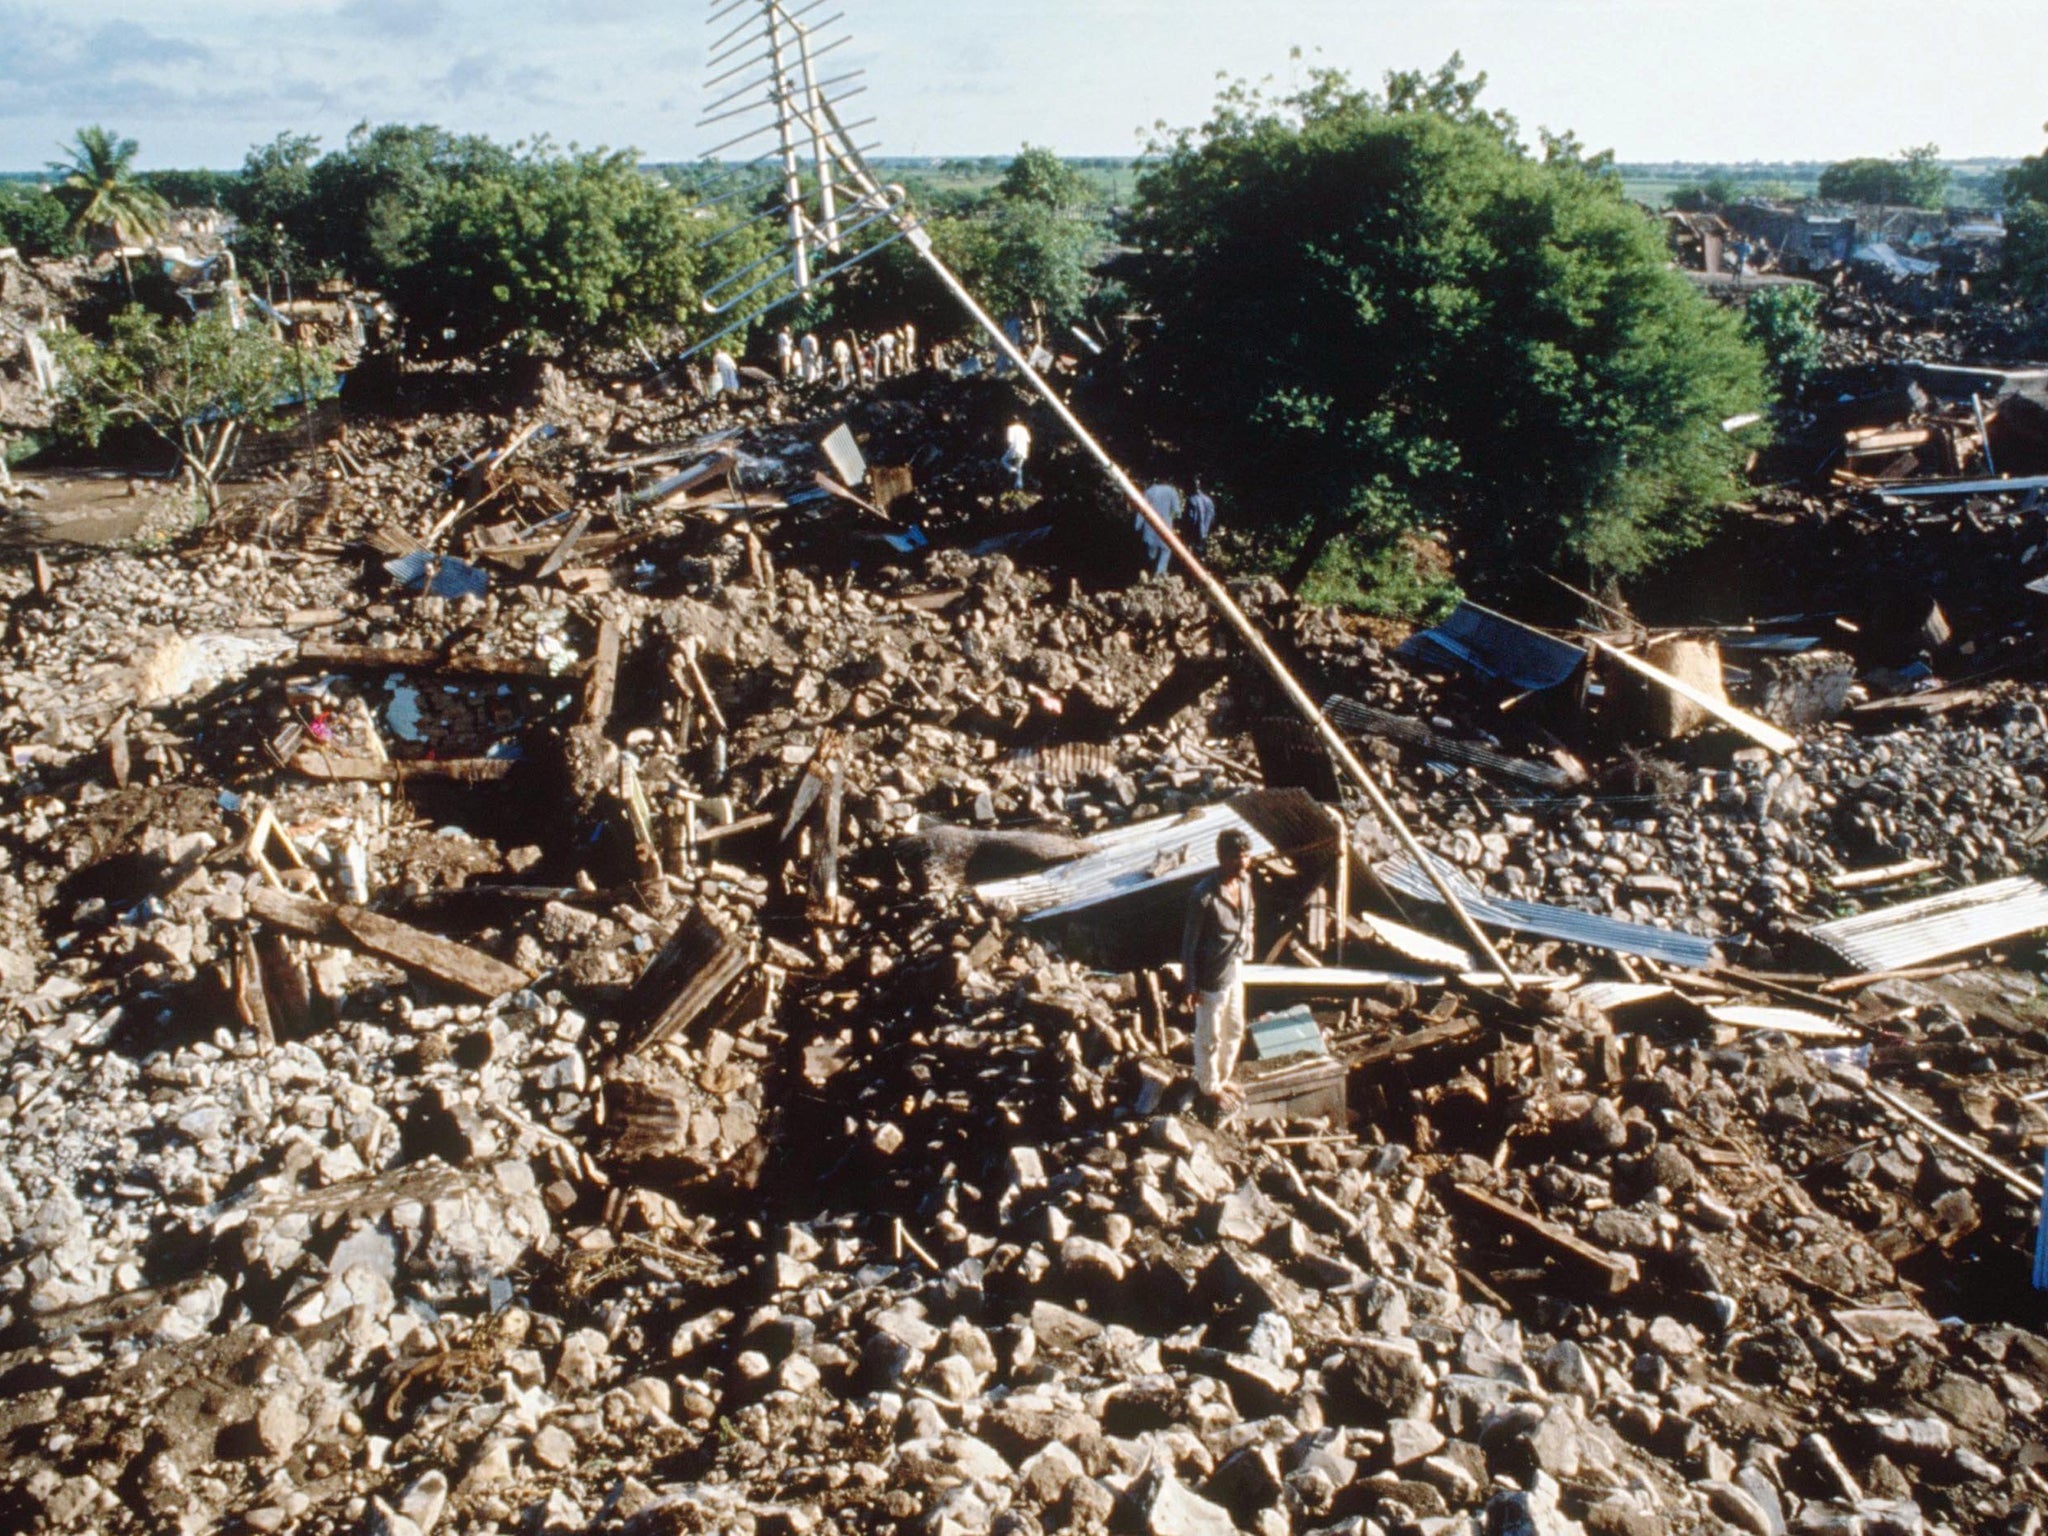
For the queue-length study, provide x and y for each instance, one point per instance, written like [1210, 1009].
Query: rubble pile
[519, 1015]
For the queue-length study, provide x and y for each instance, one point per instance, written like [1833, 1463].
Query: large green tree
[1038, 175]
[1379, 315]
[1917, 179]
[99, 189]
[33, 221]
[2026, 228]
[197, 385]
[547, 249]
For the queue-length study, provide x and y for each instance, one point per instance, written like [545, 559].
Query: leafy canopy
[1380, 315]
[99, 189]
[34, 221]
[2026, 229]
[197, 385]
[1039, 176]
[1917, 179]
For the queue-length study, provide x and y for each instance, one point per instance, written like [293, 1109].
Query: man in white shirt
[1018, 438]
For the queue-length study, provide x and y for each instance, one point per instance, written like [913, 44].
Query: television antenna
[788, 99]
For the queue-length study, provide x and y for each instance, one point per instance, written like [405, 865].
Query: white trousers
[1219, 1035]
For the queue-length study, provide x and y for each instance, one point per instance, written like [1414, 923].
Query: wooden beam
[316, 764]
[1762, 732]
[696, 964]
[372, 933]
[423, 658]
[601, 692]
[1452, 1032]
[1616, 1271]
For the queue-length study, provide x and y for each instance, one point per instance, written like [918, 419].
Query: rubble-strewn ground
[908, 1221]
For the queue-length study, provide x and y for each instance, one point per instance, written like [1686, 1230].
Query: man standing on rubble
[1017, 438]
[1166, 501]
[813, 359]
[1215, 943]
[1201, 518]
[727, 373]
[785, 353]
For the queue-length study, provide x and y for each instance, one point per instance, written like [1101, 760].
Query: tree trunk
[1324, 527]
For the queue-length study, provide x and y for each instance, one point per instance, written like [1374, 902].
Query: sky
[1654, 80]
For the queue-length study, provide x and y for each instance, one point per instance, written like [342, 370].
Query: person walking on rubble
[1166, 501]
[813, 359]
[785, 353]
[1201, 517]
[1216, 942]
[727, 373]
[842, 362]
[1018, 438]
[909, 347]
[885, 355]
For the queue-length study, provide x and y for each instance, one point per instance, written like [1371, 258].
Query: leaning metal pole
[1216, 592]
[807, 106]
[1219, 595]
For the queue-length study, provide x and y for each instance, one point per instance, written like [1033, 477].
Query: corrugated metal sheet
[1356, 719]
[1161, 851]
[1897, 938]
[1588, 928]
[1476, 639]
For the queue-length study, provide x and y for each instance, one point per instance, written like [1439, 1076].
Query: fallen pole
[1213, 589]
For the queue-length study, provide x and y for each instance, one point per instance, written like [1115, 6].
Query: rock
[1410, 1440]
[1159, 1505]
[1735, 1506]
[553, 1447]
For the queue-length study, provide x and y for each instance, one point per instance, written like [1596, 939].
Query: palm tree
[97, 184]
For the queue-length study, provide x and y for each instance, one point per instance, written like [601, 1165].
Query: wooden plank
[1616, 1271]
[1451, 1032]
[326, 766]
[1762, 732]
[372, 933]
[601, 692]
[1888, 874]
[559, 555]
[421, 658]
[697, 963]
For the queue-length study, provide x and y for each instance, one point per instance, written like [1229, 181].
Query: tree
[543, 250]
[33, 221]
[1382, 316]
[1713, 194]
[99, 189]
[2026, 228]
[197, 385]
[1039, 176]
[1917, 179]
[193, 189]
[1784, 319]
[272, 202]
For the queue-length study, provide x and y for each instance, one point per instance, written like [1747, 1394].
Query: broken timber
[369, 770]
[689, 974]
[358, 928]
[1363, 720]
[1617, 1271]
[1762, 732]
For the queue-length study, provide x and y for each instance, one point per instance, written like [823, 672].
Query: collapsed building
[606, 968]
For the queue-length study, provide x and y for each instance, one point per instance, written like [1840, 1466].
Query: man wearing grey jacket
[1215, 943]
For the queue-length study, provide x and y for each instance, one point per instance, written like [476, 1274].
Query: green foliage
[2026, 251]
[1784, 319]
[33, 221]
[1917, 179]
[273, 204]
[198, 385]
[193, 189]
[1039, 176]
[1390, 579]
[99, 189]
[1711, 195]
[2026, 229]
[543, 249]
[1384, 316]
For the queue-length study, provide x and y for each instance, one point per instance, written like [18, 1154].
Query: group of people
[850, 360]
[1166, 502]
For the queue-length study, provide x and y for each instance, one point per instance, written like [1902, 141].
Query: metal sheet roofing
[1915, 932]
[1589, 928]
[1476, 639]
[1161, 851]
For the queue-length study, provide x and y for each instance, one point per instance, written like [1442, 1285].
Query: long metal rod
[1216, 592]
